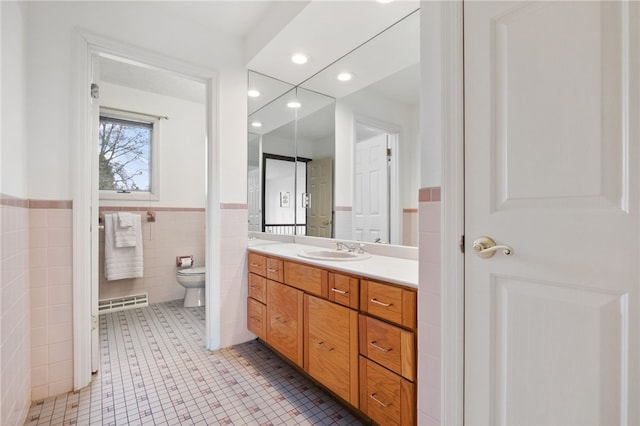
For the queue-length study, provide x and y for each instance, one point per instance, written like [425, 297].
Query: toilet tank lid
[198, 270]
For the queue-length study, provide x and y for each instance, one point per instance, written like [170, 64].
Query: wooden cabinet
[385, 397]
[258, 264]
[344, 289]
[388, 345]
[309, 279]
[284, 320]
[389, 302]
[258, 288]
[331, 346]
[355, 336]
[256, 318]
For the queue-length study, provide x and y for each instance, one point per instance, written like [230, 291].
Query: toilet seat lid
[198, 270]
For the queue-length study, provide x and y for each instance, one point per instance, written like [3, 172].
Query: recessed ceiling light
[345, 76]
[294, 104]
[256, 124]
[253, 93]
[299, 58]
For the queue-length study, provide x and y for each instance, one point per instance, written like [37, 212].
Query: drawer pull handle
[280, 320]
[373, 396]
[377, 302]
[380, 348]
[271, 270]
[255, 265]
[323, 346]
[335, 290]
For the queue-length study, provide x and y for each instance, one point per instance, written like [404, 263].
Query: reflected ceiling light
[294, 104]
[256, 124]
[345, 76]
[299, 58]
[253, 93]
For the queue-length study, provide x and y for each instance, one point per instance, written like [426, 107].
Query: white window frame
[154, 150]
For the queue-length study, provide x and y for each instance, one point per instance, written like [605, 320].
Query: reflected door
[320, 188]
[551, 152]
[371, 190]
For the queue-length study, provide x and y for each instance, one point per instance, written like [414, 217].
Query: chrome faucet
[340, 245]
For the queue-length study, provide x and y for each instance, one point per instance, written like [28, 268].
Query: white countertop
[384, 268]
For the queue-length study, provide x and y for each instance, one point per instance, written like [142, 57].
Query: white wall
[13, 151]
[182, 143]
[51, 73]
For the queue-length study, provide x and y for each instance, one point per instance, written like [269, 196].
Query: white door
[320, 188]
[254, 199]
[551, 151]
[371, 190]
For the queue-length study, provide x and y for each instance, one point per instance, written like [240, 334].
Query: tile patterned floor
[155, 371]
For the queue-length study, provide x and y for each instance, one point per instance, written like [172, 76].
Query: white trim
[88, 45]
[452, 210]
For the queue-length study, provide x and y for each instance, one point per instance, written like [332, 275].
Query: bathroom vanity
[347, 324]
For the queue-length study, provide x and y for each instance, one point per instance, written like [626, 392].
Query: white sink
[328, 254]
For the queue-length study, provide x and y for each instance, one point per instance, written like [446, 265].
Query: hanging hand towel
[125, 220]
[122, 262]
[125, 235]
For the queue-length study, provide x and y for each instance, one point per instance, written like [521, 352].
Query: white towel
[122, 262]
[125, 220]
[125, 235]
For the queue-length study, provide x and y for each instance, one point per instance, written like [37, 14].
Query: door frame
[86, 46]
[442, 41]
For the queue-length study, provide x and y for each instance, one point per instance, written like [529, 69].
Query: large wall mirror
[338, 157]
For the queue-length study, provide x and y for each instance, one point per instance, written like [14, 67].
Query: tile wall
[50, 266]
[429, 369]
[15, 320]
[175, 232]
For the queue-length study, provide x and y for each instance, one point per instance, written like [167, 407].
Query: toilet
[193, 280]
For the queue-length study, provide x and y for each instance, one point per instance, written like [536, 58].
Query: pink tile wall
[410, 227]
[50, 264]
[175, 232]
[15, 386]
[429, 369]
[233, 276]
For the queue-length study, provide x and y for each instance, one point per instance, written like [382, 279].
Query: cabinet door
[258, 288]
[284, 320]
[389, 302]
[386, 397]
[344, 290]
[389, 346]
[257, 264]
[331, 346]
[256, 318]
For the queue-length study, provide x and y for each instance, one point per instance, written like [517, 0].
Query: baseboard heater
[121, 303]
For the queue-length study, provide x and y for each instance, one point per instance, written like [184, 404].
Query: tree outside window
[124, 155]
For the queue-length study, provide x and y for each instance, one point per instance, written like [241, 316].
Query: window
[127, 156]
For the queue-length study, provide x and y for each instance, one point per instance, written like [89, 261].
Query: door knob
[485, 247]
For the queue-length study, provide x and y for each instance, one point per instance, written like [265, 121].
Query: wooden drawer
[307, 278]
[386, 397]
[392, 303]
[274, 269]
[256, 315]
[344, 290]
[388, 345]
[284, 320]
[258, 288]
[258, 264]
[331, 346]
